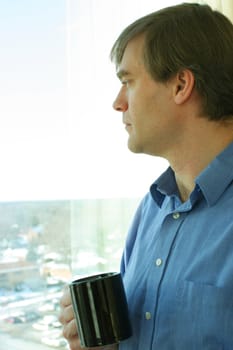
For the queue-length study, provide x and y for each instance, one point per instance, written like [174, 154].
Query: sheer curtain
[102, 166]
[106, 175]
[225, 6]
[96, 132]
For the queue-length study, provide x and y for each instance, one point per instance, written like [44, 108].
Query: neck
[199, 148]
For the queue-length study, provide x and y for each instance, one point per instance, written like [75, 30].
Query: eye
[125, 82]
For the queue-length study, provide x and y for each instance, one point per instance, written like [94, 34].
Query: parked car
[22, 317]
[51, 305]
[48, 322]
[13, 319]
[7, 296]
[55, 340]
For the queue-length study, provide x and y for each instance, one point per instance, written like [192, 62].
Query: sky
[59, 137]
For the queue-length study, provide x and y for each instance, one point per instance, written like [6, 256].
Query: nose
[120, 104]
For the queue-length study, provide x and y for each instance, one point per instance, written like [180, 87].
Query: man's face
[146, 105]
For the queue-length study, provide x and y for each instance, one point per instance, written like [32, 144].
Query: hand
[67, 319]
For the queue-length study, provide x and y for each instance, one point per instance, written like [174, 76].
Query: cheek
[137, 102]
[144, 108]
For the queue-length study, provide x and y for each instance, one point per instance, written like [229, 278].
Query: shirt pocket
[204, 316]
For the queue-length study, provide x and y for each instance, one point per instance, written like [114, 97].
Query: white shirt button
[158, 262]
[147, 316]
[176, 216]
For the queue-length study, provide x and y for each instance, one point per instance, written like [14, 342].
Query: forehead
[132, 58]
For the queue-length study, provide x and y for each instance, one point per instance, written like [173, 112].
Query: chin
[134, 147]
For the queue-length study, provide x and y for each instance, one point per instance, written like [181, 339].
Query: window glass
[69, 186]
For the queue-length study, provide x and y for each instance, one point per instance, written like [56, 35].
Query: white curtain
[96, 131]
[224, 6]
[102, 163]
[45, 150]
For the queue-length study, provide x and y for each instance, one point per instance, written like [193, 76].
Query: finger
[70, 330]
[66, 315]
[74, 344]
[66, 297]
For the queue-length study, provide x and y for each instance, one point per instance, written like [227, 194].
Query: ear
[183, 86]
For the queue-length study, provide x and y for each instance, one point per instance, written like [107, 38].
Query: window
[69, 186]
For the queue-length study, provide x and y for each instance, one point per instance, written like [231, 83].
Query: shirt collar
[164, 186]
[218, 175]
[212, 181]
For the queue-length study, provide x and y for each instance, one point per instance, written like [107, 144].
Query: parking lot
[32, 326]
[13, 343]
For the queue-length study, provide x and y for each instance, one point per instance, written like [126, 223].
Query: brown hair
[188, 36]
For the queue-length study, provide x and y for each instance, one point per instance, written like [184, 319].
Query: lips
[126, 122]
[128, 127]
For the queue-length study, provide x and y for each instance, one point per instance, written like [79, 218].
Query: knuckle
[66, 315]
[70, 330]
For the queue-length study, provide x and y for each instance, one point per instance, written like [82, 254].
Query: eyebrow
[122, 73]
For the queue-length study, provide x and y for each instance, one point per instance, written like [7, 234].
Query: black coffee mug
[100, 309]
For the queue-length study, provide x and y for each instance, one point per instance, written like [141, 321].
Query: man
[176, 69]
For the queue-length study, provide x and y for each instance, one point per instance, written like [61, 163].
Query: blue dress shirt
[177, 264]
